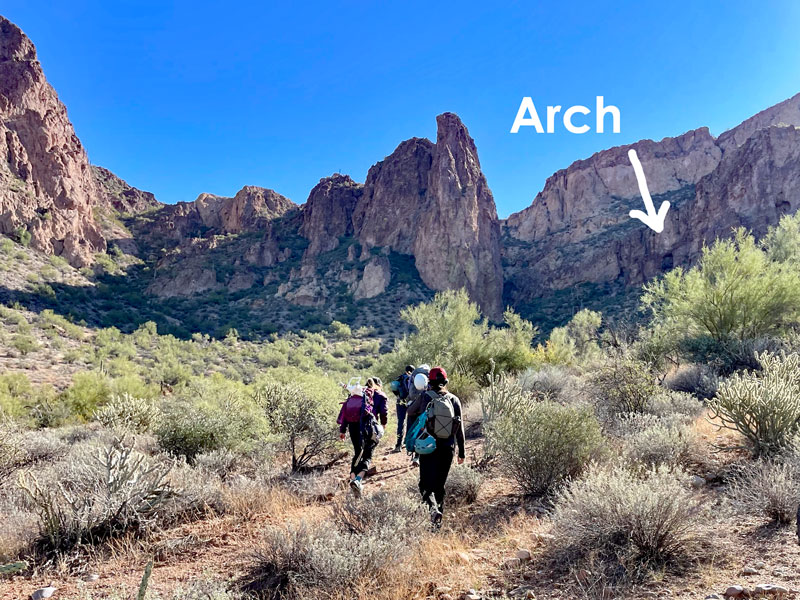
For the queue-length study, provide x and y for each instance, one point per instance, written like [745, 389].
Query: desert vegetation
[604, 458]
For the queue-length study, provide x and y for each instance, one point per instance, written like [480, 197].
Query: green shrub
[450, 332]
[16, 393]
[301, 421]
[88, 392]
[631, 523]
[624, 385]
[340, 330]
[764, 406]
[24, 344]
[735, 293]
[545, 443]
[698, 380]
[189, 427]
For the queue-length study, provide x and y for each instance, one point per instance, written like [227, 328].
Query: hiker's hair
[370, 383]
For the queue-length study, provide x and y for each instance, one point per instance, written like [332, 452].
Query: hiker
[363, 415]
[444, 425]
[401, 391]
[418, 384]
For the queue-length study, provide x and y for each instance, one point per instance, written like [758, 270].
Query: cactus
[145, 580]
[12, 568]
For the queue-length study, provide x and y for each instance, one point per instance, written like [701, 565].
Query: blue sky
[180, 98]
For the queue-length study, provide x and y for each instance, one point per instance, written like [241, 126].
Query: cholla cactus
[129, 413]
[764, 406]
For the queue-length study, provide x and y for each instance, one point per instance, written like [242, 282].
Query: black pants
[362, 449]
[433, 471]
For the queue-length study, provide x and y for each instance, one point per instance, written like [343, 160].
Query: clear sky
[180, 98]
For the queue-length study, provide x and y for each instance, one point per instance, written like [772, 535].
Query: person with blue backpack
[436, 433]
[363, 415]
[401, 387]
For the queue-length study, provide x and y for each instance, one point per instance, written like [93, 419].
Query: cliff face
[458, 236]
[577, 229]
[328, 213]
[46, 184]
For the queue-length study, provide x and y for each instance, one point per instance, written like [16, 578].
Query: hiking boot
[397, 448]
[357, 487]
[436, 517]
[415, 462]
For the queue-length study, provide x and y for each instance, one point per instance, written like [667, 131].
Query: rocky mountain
[423, 220]
[47, 189]
[578, 231]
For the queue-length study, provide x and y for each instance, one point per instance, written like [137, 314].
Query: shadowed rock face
[46, 184]
[578, 230]
[118, 195]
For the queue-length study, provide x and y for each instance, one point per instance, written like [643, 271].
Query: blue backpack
[414, 431]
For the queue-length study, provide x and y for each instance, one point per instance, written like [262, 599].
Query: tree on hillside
[450, 331]
[734, 295]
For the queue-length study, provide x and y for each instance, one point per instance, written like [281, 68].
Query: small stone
[697, 481]
[712, 597]
[769, 589]
[472, 597]
[530, 595]
[511, 563]
[523, 554]
[464, 557]
[750, 570]
[445, 597]
[46, 592]
[92, 577]
[759, 564]
[734, 591]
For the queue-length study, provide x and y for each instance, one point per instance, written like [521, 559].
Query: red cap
[437, 375]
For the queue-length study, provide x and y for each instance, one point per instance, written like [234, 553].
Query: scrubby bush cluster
[362, 546]
[629, 521]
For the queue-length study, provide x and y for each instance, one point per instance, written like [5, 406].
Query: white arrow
[654, 220]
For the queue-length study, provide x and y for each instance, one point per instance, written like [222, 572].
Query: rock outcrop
[251, 209]
[328, 213]
[118, 195]
[458, 237]
[577, 230]
[432, 201]
[46, 185]
[395, 197]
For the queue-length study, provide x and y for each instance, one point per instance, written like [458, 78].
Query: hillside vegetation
[605, 458]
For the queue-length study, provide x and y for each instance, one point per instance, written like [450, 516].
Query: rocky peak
[458, 236]
[582, 199]
[786, 113]
[46, 183]
[117, 194]
[394, 197]
[328, 212]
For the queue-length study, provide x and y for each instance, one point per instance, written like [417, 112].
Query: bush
[735, 293]
[97, 495]
[362, 546]
[126, 412]
[24, 344]
[450, 332]
[88, 392]
[630, 523]
[301, 421]
[767, 487]
[624, 385]
[699, 380]
[653, 442]
[463, 485]
[763, 406]
[545, 443]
